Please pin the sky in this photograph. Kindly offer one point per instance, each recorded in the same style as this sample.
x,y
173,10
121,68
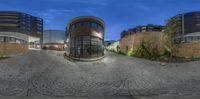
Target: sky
x,y
118,15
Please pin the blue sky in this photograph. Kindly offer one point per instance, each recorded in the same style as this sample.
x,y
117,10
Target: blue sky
x,y
118,15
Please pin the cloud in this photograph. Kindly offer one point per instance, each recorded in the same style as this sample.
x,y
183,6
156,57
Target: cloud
x,y
50,14
135,5
91,2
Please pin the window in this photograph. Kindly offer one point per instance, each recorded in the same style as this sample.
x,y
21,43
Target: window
x,y
189,39
94,25
39,28
12,40
183,40
177,40
86,24
7,39
38,32
23,23
196,39
90,46
39,25
78,25
39,19
18,41
100,28
1,39
73,27
144,27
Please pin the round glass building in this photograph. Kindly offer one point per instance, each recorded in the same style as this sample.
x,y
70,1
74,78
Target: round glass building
x,y
86,37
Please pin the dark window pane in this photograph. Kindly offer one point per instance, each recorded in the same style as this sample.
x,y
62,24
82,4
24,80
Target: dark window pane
x,y
183,40
7,39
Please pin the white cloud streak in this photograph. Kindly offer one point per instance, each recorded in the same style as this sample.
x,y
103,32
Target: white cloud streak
x,y
50,14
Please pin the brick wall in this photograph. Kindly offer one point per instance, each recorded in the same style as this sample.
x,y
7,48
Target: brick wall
x,y
132,41
8,49
187,50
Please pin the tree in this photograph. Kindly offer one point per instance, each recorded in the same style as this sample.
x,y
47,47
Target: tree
x,y
109,44
172,27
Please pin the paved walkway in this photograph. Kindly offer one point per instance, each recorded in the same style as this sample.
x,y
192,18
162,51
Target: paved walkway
x,y
47,73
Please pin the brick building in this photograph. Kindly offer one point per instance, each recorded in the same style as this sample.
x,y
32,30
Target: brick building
x,y
151,34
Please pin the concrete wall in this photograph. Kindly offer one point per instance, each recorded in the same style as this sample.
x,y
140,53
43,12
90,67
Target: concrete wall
x,y
131,42
187,50
7,49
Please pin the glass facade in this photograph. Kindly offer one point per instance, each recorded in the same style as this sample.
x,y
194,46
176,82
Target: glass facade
x,y
86,47
86,37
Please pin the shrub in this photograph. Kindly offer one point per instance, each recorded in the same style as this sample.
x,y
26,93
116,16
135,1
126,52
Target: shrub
x,y
131,53
145,50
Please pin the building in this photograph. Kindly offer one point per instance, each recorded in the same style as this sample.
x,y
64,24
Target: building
x,y
186,34
151,34
114,47
54,39
19,31
86,35
107,43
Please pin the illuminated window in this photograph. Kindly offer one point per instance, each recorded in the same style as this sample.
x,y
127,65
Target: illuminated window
x,y
18,41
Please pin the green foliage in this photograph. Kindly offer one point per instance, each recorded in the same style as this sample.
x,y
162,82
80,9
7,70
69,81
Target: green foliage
x,y
109,44
145,50
131,53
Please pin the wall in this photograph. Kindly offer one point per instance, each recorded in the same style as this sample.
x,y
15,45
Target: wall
x,y
113,46
187,50
131,42
7,49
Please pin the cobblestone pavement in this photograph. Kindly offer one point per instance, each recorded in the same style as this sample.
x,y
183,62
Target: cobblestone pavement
x,y
47,73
